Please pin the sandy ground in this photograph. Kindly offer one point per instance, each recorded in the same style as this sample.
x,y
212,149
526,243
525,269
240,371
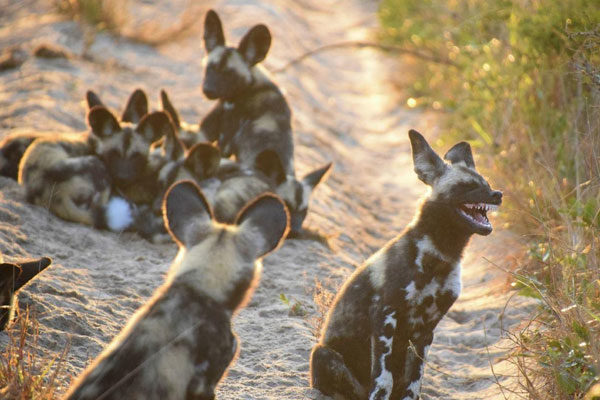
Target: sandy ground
x,y
344,111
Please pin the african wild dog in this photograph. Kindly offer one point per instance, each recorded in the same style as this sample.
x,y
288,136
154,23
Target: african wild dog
x,y
13,146
74,174
189,134
381,324
13,276
268,176
179,345
251,115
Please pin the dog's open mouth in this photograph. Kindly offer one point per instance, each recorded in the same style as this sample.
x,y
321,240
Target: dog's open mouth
x,y
476,213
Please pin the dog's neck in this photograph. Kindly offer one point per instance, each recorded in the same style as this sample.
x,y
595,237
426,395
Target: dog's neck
x,y
433,221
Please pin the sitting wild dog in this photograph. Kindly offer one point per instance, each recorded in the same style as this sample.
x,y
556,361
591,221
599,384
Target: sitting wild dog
x,y
74,175
189,134
14,146
179,345
251,115
13,276
268,176
381,323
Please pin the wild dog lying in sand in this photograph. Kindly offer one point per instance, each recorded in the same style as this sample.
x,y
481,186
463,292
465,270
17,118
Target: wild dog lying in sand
x,y
268,176
189,134
74,174
13,276
13,146
179,345
381,324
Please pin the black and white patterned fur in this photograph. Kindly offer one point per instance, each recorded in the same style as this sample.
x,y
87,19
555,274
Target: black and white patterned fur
x,y
179,345
13,276
251,115
381,324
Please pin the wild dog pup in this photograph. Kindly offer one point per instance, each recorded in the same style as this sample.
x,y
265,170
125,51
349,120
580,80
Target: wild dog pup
x,y
268,176
74,175
189,134
13,276
13,146
179,345
251,115
381,324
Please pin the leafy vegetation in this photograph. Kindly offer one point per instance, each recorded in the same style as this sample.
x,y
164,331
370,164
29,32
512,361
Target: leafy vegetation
x,y
524,88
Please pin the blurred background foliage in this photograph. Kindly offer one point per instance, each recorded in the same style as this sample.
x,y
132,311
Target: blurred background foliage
x,y
524,88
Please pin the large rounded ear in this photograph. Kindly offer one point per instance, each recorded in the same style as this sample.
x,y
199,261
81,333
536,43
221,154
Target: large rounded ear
x,y
255,45
136,108
92,99
155,125
317,176
264,222
213,31
203,160
9,273
461,153
186,213
29,269
269,163
169,109
102,122
428,165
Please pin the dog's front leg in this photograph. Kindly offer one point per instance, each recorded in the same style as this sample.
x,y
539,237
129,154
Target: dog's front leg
x,y
212,125
414,366
382,342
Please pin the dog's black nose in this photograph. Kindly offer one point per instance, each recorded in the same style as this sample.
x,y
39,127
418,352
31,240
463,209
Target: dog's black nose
x,y
497,196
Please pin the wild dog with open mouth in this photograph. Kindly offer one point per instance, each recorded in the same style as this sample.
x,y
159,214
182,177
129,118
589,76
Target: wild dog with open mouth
x,y
251,115
13,276
74,174
179,345
189,134
268,176
13,146
381,323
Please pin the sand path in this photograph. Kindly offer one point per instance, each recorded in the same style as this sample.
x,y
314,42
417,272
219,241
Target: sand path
x,y
344,111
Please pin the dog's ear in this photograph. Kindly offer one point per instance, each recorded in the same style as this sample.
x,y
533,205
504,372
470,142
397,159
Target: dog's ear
x,y
186,213
172,147
9,274
136,108
213,31
255,45
461,153
203,160
264,222
29,269
428,165
92,99
102,122
155,125
269,163
312,179
169,109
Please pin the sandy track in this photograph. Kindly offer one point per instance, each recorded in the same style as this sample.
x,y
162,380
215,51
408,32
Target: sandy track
x,y
344,111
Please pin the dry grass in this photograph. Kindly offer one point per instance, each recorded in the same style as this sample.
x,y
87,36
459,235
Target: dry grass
x,y
323,299
24,374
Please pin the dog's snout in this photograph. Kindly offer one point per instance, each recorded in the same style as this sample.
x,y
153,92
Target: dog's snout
x,y
497,196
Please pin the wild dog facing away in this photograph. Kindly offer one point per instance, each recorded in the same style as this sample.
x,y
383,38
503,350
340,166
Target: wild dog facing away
x,y
385,314
13,146
13,276
180,343
73,175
